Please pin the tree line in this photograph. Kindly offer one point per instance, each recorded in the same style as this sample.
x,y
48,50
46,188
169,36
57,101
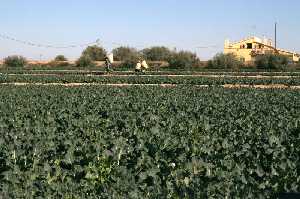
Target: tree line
x,y
130,56
175,59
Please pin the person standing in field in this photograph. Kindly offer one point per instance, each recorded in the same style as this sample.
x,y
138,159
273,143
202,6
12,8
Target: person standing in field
x,y
109,59
138,67
144,65
141,66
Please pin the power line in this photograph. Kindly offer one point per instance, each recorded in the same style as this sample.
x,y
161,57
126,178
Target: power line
x,y
205,47
28,43
97,42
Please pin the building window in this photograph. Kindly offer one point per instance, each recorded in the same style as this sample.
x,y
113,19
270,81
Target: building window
x,y
249,45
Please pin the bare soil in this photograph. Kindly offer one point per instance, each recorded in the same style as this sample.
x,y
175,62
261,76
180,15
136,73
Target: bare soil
x,y
228,86
194,75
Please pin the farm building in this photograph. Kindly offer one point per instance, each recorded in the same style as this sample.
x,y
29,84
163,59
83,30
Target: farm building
x,y
247,49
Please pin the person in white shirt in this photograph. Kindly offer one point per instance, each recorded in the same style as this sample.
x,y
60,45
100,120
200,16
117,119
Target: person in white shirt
x,y
138,67
141,66
109,59
144,65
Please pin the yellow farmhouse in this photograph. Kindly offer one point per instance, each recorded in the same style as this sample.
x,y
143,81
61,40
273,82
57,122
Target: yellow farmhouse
x,y
248,49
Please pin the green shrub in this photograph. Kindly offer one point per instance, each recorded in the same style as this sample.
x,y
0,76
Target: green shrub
x,y
59,64
224,61
298,63
183,60
271,61
85,61
60,58
157,53
124,53
96,53
15,61
131,61
129,56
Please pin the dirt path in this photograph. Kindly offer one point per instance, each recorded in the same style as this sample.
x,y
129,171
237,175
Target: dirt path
x,y
166,71
84,84
197,75
229,86
270,86
194,75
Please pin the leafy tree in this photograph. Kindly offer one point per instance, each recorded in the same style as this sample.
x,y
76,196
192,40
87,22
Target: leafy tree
x,y
60,58
59,64
183,60
157,53
129,56
271,61
224,61
85,61
123,53
131,60
15,61
96,53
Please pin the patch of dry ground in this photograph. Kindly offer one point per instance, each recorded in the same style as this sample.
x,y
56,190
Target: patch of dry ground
x,y
229,86
194,75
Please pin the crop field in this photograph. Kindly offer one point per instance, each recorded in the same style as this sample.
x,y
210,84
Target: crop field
x,y
212,79
93,71
183,140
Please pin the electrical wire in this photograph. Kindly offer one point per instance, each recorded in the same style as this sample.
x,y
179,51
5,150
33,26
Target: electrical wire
x,y
28,43
205,47
97,42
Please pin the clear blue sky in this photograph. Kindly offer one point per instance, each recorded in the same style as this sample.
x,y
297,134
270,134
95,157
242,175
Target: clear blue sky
x,y
142,23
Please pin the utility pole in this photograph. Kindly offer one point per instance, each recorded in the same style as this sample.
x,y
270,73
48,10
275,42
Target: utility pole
x,y
276,36
98,42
